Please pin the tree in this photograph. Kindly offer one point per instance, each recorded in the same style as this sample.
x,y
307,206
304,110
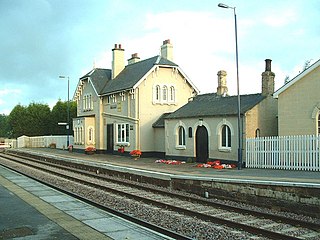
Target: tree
x,y
307,64
17,121
38,119
59,114
287,79
4,126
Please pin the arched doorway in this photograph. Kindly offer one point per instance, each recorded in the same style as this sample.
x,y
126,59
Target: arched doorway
x,y
202,149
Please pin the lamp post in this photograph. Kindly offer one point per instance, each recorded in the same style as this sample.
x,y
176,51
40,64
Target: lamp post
x,y
238,92
68,112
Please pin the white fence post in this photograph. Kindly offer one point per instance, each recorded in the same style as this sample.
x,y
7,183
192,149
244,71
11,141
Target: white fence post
x,y
284,152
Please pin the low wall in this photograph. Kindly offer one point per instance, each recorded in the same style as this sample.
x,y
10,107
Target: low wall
x,y
297,199
44,141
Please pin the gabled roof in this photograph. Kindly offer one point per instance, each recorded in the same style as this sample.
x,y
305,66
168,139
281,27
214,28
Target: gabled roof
x,y
99,77
209,105
129,77
296,79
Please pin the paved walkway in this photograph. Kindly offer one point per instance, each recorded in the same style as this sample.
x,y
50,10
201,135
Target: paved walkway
x,y
148,165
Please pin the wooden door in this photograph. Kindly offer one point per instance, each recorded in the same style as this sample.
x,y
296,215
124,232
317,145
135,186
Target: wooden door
x,y
202,149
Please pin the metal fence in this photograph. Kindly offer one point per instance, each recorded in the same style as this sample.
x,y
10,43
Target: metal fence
x,y
284,152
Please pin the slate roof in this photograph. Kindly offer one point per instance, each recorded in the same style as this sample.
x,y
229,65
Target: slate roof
x,y
160,122
209,105
99,78
127,78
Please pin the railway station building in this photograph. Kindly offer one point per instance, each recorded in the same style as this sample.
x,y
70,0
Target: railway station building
x,y
116,108
206,127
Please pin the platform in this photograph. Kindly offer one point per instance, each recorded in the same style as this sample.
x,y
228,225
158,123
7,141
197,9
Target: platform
x,y
31,210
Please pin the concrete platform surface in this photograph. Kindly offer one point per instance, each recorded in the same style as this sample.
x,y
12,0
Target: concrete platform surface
x,y
31,210
147,166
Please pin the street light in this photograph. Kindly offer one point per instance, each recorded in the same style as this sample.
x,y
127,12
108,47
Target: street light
x,y
238,93
68,113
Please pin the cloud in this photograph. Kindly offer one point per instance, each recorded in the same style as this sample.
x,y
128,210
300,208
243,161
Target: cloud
x,y
280,17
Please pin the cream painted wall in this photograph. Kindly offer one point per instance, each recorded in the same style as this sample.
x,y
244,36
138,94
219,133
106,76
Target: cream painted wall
x,y
297,106
213,126
262,116
149,112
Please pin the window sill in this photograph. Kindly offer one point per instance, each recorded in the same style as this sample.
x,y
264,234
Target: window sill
x,y
181,147
125,144
224,149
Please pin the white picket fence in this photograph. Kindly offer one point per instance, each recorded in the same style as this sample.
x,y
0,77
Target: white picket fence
x,y
284,152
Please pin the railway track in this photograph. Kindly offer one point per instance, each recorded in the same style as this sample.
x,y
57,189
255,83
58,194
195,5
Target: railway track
x,y
257,223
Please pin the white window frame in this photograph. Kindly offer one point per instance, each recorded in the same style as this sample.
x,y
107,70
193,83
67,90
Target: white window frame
x,y
164,94
123,134
180,145
91,135
318,123
172,94
228,141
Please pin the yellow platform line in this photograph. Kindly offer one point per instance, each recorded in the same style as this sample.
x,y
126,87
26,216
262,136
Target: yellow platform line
x,y
70,224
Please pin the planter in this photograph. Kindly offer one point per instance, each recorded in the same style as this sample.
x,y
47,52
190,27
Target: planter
x,y
89,153
135,157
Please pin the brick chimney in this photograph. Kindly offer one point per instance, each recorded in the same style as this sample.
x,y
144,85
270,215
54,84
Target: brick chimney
x,y
134,58
222,89
117,60
268,80
167,50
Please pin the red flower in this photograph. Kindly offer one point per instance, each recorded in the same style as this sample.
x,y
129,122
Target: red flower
x,y
135,152
90,149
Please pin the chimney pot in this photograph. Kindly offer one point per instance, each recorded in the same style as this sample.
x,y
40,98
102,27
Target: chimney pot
x,y
120,46
268,64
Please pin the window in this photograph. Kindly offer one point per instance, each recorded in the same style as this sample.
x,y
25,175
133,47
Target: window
x,y
319,123
90,134
257,133
87,102
182,136
123,133
157,93
225,137
84,102
172,94
190,132
164,93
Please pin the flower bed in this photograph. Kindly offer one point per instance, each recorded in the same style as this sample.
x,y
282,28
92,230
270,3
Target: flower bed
x,y
90,150
216,165
170,162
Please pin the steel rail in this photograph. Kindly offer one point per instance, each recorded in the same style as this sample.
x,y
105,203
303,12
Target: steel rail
x,y
277,218
130,218
248,228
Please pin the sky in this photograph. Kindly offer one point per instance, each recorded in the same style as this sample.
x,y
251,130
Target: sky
x,y
41,40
